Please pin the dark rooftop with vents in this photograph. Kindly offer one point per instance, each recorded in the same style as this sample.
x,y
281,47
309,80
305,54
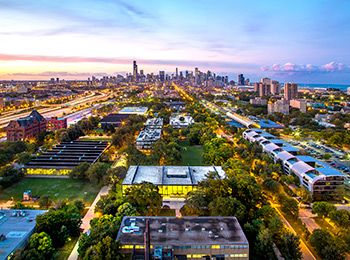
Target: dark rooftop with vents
x,y
173,231
67,155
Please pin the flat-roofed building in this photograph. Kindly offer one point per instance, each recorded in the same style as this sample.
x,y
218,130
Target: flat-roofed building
x,y
134,110
16,226
114,120
147,137
171,238
172,181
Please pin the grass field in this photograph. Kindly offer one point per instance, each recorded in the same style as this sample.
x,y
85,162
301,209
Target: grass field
x,y
192,155
57,189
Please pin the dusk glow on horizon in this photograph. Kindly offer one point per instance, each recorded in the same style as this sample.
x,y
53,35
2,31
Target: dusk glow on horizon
x,y
301,41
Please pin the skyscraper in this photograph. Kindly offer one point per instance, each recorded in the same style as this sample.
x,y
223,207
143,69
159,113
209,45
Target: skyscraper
x,y
162,76
240,80
177,73
290,91
134,71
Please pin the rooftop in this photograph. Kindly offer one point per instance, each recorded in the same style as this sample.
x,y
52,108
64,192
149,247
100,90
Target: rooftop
x,y
134,110
170,175
67,155
114,118
16,226
172,231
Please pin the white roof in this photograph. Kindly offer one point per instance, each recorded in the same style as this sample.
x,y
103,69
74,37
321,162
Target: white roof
x,y
170,175
284,156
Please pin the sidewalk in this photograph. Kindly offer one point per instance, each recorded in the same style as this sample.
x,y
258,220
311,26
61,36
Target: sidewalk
x,y
85,225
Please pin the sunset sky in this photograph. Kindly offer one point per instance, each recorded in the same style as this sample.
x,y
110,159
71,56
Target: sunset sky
x,y
298,40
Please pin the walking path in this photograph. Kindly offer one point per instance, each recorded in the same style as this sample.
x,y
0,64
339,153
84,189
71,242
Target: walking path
x,y
85,225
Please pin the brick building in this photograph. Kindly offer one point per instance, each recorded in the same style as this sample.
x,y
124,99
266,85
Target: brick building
x,y
54,123
26,127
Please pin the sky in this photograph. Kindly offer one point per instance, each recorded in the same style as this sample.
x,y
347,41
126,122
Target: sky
x,y
289,40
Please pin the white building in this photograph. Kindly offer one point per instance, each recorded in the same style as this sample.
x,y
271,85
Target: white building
x,y
155,122
318,177
180,121
147,138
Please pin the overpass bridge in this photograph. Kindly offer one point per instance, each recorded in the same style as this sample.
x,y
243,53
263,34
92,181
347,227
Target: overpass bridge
x,y
242,120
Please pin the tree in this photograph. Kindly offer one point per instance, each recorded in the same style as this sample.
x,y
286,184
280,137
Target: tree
x,y
340,217
42,242
323,208
59,224
326,246
289,206
23,158
79,172
106,249
114,175
97,172
145,198
289,246
45,202
228,206
126,209
105,226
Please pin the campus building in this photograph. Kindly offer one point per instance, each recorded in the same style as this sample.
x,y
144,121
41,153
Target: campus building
x,y
147,137
156,122
172,181
114,120
16,227
26,127
171,238
322,180
55,123
134,110
180,120
61,159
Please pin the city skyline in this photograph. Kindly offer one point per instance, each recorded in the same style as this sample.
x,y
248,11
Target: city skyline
x,y
289,41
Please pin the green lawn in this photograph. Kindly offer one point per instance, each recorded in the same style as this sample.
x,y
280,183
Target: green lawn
x,y
57,189
192,155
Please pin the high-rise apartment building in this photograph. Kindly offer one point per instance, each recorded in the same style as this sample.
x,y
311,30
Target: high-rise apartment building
x,y
290,91
275,87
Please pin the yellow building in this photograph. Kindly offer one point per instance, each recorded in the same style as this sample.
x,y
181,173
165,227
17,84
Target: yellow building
x,y
172,181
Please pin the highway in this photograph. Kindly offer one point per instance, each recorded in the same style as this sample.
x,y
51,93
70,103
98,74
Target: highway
x,y
54,111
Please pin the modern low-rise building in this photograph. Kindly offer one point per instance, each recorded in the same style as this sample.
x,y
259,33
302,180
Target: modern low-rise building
x,y
181,120
114,120
26,127
61,159
147,137
171,238
156,122
134,110
16,226
172,181
322,180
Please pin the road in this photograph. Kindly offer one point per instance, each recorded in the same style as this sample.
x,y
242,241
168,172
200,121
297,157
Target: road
x,y
85,225
54,111
307,254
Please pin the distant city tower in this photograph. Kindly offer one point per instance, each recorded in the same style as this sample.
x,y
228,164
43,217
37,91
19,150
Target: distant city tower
x,y
134,71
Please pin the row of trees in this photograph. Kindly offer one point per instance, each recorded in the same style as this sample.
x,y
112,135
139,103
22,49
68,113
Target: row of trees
x,y
52,230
